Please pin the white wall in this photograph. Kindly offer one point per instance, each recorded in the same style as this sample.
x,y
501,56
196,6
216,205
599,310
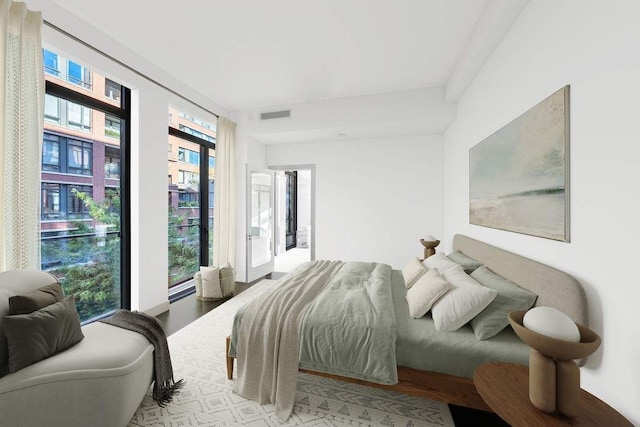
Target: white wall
x,y
375,198
149,141
593,46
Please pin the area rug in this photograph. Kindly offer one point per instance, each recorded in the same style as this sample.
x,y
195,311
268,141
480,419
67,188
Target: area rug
x,y
198,355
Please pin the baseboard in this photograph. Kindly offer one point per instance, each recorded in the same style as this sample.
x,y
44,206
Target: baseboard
x,y
158,309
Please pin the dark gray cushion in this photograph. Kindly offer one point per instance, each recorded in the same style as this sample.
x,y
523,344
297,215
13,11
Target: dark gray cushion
x,y
41,334
469,264
510,297
36,299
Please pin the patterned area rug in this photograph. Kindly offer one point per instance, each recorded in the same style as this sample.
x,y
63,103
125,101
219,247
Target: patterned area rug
x,y
198,355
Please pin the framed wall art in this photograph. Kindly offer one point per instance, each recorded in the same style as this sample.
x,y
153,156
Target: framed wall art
x,y
519,176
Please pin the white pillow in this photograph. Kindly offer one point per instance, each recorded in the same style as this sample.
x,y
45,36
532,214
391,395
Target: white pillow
x,y
427,290
210,277
439,261
462,303
412,272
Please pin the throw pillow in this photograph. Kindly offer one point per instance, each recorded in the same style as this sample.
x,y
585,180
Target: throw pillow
x,y
412,272
35,336
440,262
427,290
469,264
493,319
462,303
36,299
210,277
227,279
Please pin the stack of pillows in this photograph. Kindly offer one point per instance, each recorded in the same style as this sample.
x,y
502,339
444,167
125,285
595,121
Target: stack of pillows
x,y
40,323
458,290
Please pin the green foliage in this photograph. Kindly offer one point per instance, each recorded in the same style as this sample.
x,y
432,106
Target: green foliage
x,y
184,248
89,266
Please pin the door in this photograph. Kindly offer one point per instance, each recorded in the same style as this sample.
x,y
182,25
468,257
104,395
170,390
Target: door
x,y
291,209
259,224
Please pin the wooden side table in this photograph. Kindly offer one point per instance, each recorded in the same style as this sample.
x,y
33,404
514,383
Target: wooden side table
x,y
505,388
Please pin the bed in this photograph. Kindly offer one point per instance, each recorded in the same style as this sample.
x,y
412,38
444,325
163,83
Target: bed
x,y
439,365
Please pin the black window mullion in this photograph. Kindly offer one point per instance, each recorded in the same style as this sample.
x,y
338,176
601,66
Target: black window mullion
x,y
125,191
204,206
80,98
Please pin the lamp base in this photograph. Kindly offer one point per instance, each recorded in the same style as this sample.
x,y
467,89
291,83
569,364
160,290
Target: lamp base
x,y
554,384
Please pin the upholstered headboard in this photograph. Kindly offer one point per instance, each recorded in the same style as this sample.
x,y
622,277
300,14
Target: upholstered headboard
x,y
554,288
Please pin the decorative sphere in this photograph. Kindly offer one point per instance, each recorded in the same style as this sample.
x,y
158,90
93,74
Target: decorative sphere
x,y
551,323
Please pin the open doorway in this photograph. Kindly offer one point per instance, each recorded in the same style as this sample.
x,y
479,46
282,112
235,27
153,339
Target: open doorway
x,y
293,242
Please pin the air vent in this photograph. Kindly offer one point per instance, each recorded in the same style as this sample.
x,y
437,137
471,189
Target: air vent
x,y
275,115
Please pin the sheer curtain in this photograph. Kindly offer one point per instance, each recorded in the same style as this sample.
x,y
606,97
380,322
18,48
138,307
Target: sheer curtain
x,y
224,210
21,121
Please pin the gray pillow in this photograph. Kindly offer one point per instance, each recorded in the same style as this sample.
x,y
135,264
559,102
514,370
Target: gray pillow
x,y
36,299
469,264
35,336
493,319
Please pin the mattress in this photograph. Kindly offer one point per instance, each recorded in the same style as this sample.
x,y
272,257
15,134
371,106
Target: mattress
x,y
420,346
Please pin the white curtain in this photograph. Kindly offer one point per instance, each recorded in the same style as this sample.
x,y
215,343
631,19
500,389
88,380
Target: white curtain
x,y
224,211
21,121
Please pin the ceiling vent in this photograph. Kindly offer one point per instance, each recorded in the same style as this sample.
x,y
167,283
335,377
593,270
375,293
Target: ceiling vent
x,y
275,115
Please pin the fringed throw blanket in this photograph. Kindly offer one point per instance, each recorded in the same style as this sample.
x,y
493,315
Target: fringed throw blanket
x,y
269,336
164,386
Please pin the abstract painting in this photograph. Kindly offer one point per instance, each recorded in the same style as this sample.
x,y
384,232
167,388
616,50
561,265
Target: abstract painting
x,y
518,177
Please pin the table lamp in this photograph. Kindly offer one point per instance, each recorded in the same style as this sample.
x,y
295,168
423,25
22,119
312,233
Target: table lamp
x,y
555,341
429,242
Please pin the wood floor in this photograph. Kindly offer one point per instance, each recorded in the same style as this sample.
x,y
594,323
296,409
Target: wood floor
x,y
189,308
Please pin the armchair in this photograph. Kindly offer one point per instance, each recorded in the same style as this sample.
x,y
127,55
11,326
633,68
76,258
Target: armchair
x,y
99,381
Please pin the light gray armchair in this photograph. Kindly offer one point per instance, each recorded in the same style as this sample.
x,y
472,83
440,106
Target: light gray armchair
x,y
99,381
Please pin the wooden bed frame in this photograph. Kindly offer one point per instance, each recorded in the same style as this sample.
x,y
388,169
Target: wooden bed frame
x,y
553,287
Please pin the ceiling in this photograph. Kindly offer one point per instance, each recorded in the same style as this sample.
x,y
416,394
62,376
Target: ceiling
x,y
346,69
250,54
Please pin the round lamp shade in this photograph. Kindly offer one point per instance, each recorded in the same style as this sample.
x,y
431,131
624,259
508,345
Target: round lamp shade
x,y
552,347
552,323
429,238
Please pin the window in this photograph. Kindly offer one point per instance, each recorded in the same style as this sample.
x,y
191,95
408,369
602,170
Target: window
x,y
78,116
197,121
79,75
188,156
50,60
112,90
51,109
187,129
111,126
188,200
51,153
188,178
212,162
111,162
50,200
191,181
74,245
79,157
76,207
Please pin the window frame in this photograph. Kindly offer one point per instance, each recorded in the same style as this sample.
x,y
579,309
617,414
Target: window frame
x,y
123,111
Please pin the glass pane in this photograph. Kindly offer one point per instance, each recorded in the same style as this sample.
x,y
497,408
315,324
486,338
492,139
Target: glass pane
x,y
51,108
261,218
184,219
212,174
184,199
80,239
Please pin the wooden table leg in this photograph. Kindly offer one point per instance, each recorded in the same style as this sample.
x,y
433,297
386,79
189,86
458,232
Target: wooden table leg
x,y
229,360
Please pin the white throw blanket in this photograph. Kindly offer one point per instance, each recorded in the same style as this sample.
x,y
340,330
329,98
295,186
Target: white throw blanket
x,y
268,338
